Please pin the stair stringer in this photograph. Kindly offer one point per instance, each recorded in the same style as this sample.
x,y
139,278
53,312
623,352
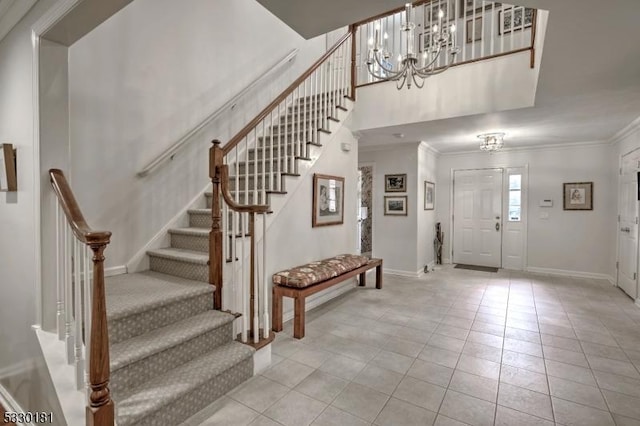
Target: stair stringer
x,y
278,204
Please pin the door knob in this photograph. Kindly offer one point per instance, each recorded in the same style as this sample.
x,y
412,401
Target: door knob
x,y
497,226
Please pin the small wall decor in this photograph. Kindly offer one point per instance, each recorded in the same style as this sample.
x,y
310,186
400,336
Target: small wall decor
x,y
429,195
328,200
395,205
578,196
395,183
468,6
8,177
474,33
513,19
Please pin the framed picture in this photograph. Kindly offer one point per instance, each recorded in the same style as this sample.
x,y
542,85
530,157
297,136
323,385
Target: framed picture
x,y
515,19
466,7
8,179
395,205
432,10
429,195
395,183
474,33
578,196
424,40
328,200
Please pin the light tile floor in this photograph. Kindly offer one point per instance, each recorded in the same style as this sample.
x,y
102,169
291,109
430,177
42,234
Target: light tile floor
x,y
452,348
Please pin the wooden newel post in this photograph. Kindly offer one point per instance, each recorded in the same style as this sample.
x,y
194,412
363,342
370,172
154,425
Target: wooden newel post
x,y
100,411
216,156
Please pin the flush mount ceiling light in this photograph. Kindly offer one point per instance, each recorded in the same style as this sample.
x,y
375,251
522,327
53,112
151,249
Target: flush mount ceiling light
x,y
491,141
411,68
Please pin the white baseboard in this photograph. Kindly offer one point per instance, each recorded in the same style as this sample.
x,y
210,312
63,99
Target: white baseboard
x,y
115,270
407,274
140,261
446,260
323,298
10,404
567,273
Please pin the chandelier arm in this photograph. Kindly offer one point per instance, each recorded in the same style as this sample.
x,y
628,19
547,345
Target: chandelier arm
x,y
418,85
400,82
427,66
394,74
376,55
423,72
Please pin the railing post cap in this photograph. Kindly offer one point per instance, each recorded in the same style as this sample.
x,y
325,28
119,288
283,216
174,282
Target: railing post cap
x,y
216,142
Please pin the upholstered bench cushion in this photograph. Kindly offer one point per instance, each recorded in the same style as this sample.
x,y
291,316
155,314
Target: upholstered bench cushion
x,y
315,272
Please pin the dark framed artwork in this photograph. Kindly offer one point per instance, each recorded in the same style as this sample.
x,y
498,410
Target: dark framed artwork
x,y
465,7
429,195
8,177
473,33
432,10
577,196
395,183
515,19
328,200
395,205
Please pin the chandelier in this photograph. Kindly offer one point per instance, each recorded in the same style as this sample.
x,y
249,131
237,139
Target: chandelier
x,y
491,141
412,67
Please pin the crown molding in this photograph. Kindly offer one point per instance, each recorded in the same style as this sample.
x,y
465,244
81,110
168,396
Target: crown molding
x,y
387,147
428,148
631,128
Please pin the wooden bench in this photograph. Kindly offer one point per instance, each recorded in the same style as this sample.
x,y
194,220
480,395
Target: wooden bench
x,y
298,294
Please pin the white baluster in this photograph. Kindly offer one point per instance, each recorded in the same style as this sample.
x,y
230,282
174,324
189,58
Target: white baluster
x,y
256,291
501,26
60,228
299,133
265,282
68,294
246,170
305,122
492,31
272,165
280,156
254,175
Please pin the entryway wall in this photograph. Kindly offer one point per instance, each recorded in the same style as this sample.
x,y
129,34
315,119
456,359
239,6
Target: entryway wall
x,y
563,242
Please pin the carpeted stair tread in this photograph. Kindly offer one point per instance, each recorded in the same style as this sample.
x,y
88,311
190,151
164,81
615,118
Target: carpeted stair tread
x,y
128,294
201,211
150,343
167,389
193,231
182,255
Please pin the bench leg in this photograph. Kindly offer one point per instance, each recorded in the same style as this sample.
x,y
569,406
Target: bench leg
x,y
298,319
363,279
276,312
379,276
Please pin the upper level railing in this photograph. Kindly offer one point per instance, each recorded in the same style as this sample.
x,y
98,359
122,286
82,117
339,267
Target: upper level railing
x,y
81,305
484,30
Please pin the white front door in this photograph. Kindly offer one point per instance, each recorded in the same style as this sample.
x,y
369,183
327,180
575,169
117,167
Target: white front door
x,y
627,225
477,217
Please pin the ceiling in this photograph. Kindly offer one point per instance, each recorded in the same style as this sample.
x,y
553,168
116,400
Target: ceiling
x,y
589,85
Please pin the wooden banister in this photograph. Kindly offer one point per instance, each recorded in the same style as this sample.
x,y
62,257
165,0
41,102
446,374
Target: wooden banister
x,y
289,90
72,211
100,409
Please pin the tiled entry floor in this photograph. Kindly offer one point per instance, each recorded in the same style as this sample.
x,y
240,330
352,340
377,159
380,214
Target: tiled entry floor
x,y
452,348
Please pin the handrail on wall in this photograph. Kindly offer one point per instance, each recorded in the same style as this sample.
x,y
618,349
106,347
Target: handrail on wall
x,y
168,154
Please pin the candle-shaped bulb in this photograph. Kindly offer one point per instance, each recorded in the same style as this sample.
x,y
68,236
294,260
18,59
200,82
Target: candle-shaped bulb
x,y
453,28
370,41
435,28
440,14
386,36
377,25
399,58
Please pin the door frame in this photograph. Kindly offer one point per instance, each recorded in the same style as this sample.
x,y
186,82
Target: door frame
x,y
525,208
615,282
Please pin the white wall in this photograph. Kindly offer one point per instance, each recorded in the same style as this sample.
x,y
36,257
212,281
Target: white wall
x,y
394,237
292,241
146,77
22,369
427,163
455,93
578,241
